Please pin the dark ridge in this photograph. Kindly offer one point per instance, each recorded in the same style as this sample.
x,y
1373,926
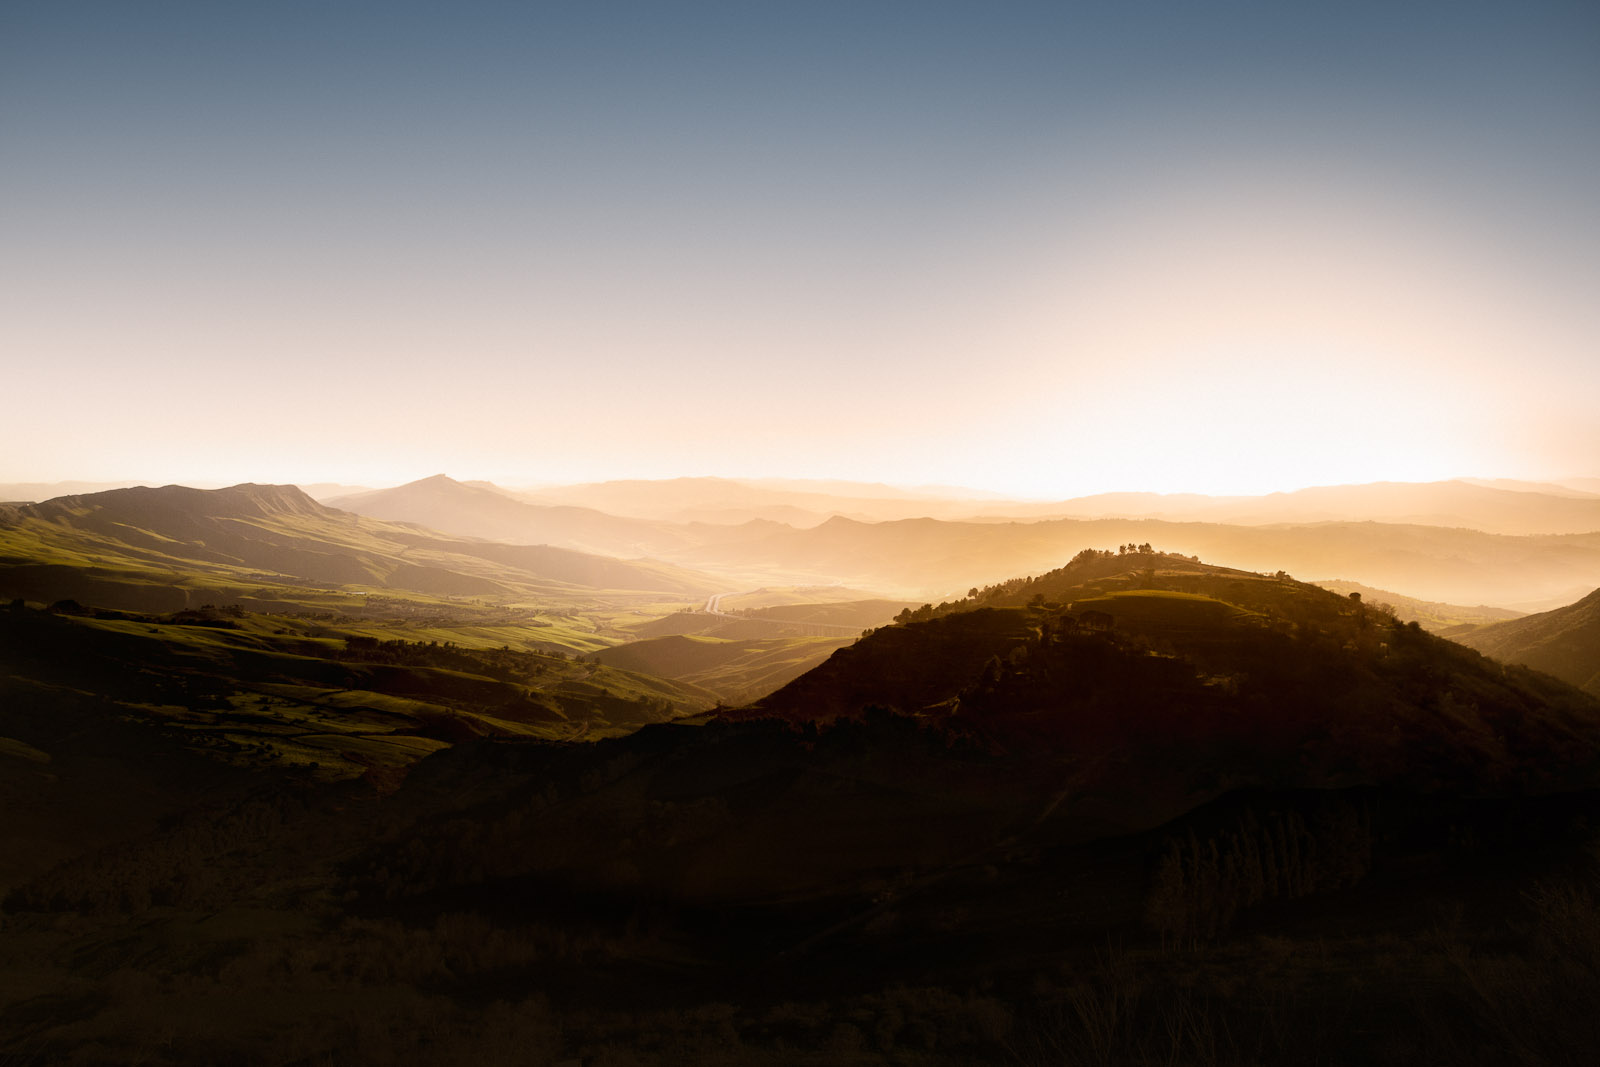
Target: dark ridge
x,y
246,500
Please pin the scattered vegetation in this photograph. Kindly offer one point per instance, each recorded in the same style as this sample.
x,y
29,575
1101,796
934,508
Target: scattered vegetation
x,y
1132,810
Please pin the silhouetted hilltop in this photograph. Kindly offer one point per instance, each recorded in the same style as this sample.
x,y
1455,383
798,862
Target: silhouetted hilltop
x,y
1564,642
1203,679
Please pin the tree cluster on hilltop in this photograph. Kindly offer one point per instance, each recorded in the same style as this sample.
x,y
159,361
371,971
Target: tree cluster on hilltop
x,y
1009,591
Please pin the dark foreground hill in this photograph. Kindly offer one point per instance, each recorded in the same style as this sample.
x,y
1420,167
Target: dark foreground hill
x,y
1136,810
1564,642
1193,680
298,696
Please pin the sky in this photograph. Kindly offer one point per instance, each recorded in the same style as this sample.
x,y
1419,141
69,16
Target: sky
x,y
1044,249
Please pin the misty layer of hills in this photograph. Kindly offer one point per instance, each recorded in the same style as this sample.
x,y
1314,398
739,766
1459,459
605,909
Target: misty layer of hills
x,y
448,774
115,546
1451,529
1447,542
1504,506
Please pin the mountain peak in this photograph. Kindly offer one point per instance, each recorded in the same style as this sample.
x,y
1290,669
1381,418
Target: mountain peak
x,y
244,498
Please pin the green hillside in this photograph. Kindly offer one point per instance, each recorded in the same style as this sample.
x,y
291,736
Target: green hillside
x,y
254,690
173,548
735,670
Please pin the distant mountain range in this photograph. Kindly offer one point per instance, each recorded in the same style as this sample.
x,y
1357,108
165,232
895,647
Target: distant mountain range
x,y
907,557
933,557
1433,563
792,501
1503,507
486,511
175,547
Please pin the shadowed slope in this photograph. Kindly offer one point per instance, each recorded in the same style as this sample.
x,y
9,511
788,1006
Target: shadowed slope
x,y
1210,678
942,744
1564,642
936,884
734,669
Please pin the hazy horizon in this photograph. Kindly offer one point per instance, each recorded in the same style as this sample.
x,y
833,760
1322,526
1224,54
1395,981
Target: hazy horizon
x,y
1577,483
1043,250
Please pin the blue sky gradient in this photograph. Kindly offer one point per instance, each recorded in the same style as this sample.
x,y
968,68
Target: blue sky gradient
x,y
907,242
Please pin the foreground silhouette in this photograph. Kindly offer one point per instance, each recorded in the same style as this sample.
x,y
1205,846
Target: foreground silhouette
x,y
1138,809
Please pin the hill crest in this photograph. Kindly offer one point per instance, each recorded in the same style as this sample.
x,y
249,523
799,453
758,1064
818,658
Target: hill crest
x,y
1564,642
245,500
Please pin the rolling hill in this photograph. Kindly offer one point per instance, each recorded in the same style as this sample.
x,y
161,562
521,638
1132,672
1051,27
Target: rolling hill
x,y
1434,616
1230,670
484,511
174,547
747,653
736,670
1564,642
1134,809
